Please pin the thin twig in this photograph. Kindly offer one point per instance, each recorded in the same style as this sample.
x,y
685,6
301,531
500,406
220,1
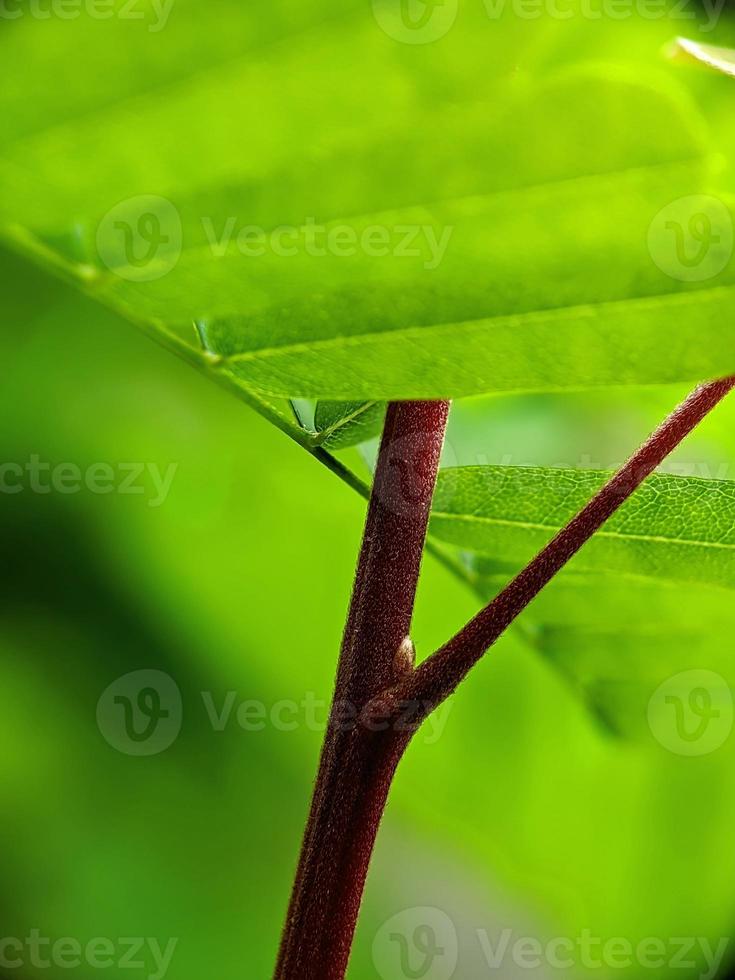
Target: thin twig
x,y
437,678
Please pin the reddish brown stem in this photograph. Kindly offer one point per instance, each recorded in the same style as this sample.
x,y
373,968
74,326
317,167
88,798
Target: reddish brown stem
x,y
376,680
437,677
357,765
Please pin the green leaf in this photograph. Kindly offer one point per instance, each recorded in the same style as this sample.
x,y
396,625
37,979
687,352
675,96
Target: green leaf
x,y
343,424
673,528
519,217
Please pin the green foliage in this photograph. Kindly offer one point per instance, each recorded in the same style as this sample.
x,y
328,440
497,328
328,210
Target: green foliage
x,y
535,163
673,528
409,267
343,424
99,585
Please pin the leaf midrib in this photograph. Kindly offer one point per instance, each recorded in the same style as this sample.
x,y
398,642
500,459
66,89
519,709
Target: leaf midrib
x,y
619,535
323,435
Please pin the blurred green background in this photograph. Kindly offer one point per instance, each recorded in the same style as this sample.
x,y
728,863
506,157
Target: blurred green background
x,y
524,814
520,811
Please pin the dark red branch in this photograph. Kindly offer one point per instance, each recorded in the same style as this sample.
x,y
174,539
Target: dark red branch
x,y
437,677
357,765
376,679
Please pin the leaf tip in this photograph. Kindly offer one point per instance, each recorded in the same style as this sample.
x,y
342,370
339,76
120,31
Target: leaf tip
x,y
685,51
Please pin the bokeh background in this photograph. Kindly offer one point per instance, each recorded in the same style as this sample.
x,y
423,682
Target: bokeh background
x,y
524,812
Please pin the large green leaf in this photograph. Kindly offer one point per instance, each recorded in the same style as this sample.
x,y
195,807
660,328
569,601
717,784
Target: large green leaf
x,y
673,528
522,208
161,113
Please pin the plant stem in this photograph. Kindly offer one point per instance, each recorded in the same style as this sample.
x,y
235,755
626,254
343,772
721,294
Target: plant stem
x,y
357,765
435,679
376,679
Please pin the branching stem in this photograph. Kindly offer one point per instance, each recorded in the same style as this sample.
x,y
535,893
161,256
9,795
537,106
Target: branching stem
x,y
436,678
381,697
